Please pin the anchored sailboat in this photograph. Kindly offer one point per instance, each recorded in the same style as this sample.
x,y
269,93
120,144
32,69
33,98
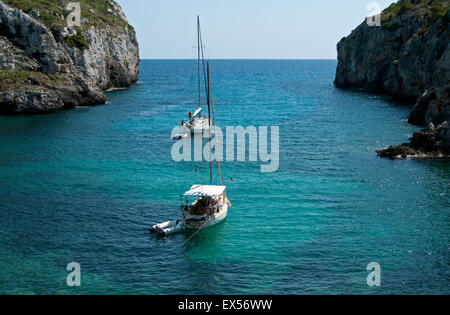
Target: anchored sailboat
x,y
202,205
196,123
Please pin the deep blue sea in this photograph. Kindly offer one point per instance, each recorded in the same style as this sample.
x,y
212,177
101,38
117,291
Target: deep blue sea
x,y
85,185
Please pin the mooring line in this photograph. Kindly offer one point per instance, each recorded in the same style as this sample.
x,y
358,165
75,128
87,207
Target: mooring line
x,y
201,228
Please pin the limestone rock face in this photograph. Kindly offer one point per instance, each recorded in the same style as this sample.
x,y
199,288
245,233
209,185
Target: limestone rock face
x,y
111,63
35,40
12,58
407,57
46,65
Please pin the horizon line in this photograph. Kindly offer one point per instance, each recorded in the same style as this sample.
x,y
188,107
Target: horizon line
x,y
334,59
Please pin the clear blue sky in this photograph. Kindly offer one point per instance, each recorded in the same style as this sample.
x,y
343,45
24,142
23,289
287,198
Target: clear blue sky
x,y
253,29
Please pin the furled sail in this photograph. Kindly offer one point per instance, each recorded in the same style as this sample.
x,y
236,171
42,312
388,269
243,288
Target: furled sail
x,y
198,111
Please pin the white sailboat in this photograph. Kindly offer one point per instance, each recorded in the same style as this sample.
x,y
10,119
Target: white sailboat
x,y
202,205
196,123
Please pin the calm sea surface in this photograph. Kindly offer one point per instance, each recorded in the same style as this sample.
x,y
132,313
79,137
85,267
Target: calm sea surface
x,y
85,185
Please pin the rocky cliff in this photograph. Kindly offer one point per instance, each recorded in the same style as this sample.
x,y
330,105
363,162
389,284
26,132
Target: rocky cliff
x,y
407,57
45,65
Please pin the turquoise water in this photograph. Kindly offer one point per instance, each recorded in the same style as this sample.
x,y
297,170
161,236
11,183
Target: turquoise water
x,y
85,185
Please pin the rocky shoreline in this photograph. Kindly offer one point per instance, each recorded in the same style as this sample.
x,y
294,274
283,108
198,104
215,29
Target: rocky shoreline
x,y
46,65
407,57
428,143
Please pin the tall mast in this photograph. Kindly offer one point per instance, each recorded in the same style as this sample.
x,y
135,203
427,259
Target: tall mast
x,y
209,121
207,77
215,134
199,63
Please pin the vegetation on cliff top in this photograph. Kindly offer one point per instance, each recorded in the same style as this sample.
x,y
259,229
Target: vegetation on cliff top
x,y
18,78
52,13
428,9
425,12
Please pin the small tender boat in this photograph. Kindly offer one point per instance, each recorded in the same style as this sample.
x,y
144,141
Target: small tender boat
x,y
167,228
180,136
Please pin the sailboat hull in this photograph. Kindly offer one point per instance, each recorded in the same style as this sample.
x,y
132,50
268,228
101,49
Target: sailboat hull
x,y
199,125
199,222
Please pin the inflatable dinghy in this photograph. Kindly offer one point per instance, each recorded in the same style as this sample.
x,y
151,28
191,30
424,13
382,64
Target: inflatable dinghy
x,y
167,228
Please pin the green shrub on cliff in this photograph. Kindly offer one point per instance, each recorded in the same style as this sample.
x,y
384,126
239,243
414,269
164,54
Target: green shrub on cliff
x,y
423,31
390,26
444,16
77,41
404,7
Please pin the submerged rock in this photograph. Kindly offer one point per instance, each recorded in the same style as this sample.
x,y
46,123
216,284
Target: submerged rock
x,y
47,66
407,57
397,151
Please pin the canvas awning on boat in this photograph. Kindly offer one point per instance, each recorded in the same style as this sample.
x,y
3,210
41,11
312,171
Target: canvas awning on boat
x,y
205,190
